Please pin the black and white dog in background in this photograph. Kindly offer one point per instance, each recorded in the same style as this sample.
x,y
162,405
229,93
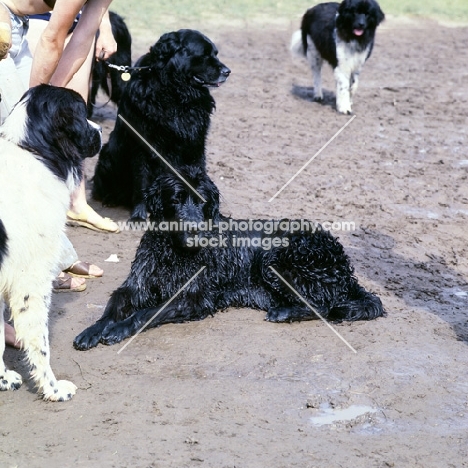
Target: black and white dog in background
x,y
42,145
343,35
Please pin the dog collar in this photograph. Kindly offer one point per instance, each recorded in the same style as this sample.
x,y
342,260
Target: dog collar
x,y
125,69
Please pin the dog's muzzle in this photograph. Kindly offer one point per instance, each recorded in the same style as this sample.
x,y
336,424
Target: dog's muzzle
x,y
223,76
96,127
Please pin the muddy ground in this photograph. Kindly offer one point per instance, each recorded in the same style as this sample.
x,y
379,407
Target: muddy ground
x,y
236,391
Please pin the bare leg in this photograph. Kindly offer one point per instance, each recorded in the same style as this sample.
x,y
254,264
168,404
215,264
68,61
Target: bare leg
x,y
80,83
9,380
10,337
5,31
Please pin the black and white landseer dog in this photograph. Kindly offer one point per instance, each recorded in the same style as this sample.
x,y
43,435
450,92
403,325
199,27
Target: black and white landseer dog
x,y
343,35
237,260
168,102
42,145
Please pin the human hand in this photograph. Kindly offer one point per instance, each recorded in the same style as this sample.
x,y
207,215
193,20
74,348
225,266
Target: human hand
x,y
105,43
5,39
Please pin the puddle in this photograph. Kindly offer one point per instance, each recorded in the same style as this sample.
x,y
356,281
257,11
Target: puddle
x,y
330,415
461,294
457,292
418,212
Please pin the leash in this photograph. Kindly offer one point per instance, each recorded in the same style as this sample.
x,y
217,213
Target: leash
x,y
125,69
125,76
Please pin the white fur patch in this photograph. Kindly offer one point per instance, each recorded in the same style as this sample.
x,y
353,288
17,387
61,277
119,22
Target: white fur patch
x,y
14,127
350,61
33,205
296,47
350,58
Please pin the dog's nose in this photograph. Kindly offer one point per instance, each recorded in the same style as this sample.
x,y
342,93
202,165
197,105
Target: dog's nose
x,y
225,71
361,22
95,125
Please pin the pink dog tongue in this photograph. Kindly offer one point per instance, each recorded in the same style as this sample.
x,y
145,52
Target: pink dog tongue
x,y
358,32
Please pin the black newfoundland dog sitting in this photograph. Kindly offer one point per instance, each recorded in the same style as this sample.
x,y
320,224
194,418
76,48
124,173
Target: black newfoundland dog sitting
x,y
236,256
168,102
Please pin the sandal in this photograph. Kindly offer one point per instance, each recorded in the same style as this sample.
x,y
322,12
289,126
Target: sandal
x,y
81,270
82,219
63,284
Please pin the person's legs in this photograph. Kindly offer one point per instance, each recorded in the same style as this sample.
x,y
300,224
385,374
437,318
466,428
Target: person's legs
x,y
80,212
5,31
10,336
16,66
66,280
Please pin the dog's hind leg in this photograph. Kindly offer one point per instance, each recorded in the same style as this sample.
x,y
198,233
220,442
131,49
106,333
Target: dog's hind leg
x,y
360,305
316,62
9,380
30,315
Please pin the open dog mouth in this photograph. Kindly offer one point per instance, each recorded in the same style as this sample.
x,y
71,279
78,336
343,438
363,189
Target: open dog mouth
x,y
358,32
210,84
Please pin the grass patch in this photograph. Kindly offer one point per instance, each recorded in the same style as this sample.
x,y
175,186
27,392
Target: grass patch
x,y
159,16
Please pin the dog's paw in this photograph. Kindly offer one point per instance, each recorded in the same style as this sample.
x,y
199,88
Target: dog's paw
x,y
139,213
90,337
62,390
115,333
279,314
10,380
345,110
86,340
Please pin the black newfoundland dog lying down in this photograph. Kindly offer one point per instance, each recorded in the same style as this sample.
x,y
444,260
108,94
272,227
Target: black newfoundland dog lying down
x,y
168,102
237,269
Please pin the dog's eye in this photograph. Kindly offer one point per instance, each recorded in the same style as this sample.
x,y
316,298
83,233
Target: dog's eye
x,y
175,201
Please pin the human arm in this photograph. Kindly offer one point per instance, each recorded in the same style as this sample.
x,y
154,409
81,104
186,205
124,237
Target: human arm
x,y
105,43
52,64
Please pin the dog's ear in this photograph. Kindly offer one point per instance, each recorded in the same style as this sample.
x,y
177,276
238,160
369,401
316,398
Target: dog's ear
x,y
379,14
153,200
211,195
165,49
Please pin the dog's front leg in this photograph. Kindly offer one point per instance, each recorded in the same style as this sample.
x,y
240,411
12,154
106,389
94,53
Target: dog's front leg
x,y
141,176
175,312
343,90
30,315
354,84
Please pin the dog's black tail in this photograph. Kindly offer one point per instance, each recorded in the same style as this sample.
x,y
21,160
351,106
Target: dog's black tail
x,y
3,243
106,78
360,305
